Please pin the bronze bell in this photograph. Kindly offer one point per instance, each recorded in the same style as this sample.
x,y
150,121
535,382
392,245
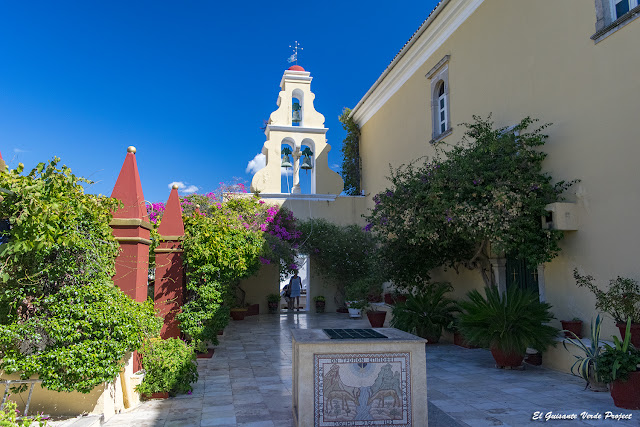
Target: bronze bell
x,y
306,163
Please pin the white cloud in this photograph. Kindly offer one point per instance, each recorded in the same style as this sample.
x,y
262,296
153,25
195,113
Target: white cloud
x,y
18,150
183,188
258,162
335,166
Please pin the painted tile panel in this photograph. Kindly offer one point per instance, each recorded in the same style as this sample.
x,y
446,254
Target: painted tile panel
x,y
362,389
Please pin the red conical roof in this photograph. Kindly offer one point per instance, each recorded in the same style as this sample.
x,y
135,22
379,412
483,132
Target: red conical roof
x,y
128,190
171,223
296,68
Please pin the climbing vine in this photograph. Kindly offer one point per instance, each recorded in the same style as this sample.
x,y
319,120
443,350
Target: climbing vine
x,y
351,165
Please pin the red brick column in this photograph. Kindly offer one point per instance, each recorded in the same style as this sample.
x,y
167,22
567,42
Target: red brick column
x,y
168,293
131,228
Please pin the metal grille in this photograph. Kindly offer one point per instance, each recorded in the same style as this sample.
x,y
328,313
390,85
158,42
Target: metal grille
x,y
353,334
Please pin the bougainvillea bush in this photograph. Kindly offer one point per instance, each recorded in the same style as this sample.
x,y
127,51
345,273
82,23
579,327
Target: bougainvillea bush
x,y
488,191
228,238
61,317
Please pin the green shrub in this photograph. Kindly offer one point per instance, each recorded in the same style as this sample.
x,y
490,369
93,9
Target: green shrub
x,y
61,318
170,366
427,312
9,415
510,322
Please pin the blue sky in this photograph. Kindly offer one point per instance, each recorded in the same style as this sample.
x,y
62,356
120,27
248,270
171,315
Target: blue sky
x,y
188,83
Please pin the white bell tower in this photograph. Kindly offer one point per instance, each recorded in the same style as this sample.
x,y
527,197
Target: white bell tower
x,y
296,123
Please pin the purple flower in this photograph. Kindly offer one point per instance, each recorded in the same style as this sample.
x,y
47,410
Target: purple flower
x,y
265,260
367,227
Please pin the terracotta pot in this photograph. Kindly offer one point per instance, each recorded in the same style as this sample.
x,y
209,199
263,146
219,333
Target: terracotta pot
x,y
401,298
158,395
238,313
320,306
432,337
459,340
574,326
626,395
635,332
207,355
273,307
342,310
376,318
253,310
510,360
388,299
534,359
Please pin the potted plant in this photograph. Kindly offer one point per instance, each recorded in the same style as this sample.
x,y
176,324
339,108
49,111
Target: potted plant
x,y
572,327
253,309
586,366
507,323
273,300
320,302
169,366
427,312
239,313
355,308
202,351
376,317
458,338
621,301
619,366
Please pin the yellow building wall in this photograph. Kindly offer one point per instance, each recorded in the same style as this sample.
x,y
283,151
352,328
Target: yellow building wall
x,y
516,58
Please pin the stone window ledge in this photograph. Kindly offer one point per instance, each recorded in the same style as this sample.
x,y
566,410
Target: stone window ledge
x,y
442,136
616,25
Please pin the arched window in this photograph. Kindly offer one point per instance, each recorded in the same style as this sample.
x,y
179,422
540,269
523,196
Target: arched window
x,y
442,109
440,100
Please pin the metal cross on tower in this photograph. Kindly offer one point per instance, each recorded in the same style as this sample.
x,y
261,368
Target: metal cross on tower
x,y
294,57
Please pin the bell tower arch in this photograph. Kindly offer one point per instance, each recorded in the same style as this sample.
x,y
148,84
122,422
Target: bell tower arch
x,y
296,121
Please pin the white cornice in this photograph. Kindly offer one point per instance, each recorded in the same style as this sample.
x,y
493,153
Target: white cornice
x,y
299,76
446,19
296,129
289,196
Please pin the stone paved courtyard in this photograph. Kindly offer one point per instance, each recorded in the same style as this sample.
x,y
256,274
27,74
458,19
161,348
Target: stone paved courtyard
x,y
248,383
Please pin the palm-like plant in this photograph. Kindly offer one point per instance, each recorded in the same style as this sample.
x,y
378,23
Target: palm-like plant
x,y
509,322
585,366
427,312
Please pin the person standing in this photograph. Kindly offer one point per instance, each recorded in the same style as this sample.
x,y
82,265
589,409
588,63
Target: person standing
x,y
295,286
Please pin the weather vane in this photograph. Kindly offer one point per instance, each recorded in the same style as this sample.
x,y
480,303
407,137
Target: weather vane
x,y
294,57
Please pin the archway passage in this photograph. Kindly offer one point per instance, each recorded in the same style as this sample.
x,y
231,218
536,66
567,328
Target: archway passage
x,y
304,272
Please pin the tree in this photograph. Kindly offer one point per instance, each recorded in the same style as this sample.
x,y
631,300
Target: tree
x,y
486,193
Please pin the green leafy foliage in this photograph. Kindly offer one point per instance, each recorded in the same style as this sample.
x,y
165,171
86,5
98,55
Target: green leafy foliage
x,y
229,241
9,417
345,255
586,365
169,365
621,300
487,191
619,360
351,169
61,318
427,312
510,322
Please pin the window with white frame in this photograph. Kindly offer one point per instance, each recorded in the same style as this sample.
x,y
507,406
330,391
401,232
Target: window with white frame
x,y
442,108
611,15
440,99
621,7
